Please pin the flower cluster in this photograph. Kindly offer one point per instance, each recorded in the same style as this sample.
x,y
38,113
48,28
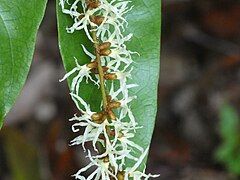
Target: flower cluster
x,y
115,125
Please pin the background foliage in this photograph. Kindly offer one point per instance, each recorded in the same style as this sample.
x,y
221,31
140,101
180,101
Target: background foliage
x,y
229,151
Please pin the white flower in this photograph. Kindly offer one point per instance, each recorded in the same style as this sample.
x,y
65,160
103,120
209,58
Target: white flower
x,y
81,20
92,130
121,144
116,136
134,173
91,133
93,57
101,172
138,175
126,143
112,13
117,41
124,131
126,110
113,17
83,72
122,77
119,56
66,11
114,94
110,151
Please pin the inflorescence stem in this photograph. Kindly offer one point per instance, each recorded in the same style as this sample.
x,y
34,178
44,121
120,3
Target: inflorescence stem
x,y
111,134
100,70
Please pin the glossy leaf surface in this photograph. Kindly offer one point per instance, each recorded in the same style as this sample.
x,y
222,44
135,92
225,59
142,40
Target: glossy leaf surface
x,y
19,22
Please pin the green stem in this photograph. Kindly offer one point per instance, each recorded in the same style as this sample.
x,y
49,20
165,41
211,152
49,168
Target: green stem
x,y
100,69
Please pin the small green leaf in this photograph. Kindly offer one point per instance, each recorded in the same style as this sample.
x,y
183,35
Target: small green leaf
x,y
144,22
19,22
229,150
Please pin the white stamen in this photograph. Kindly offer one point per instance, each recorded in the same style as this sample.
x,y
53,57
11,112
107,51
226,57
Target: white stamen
x,y
116,136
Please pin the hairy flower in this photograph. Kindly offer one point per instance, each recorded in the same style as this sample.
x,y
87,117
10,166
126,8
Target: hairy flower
x,y
83,72
134,173
101,172
114,127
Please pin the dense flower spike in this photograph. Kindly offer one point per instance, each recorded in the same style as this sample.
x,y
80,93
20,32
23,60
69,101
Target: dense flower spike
x,y
115,125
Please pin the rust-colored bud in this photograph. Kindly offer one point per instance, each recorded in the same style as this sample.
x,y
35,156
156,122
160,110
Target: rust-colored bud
x,y
95,70
120,175
97,19
110,76
101,136
97,116
114,105
105,45
93,4
106,159
112,115
92,65
81,16
105,52
112,133
120,135
105,68
109,98
104,116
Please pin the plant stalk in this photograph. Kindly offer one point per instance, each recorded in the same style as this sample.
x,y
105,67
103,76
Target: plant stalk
x,y
100,70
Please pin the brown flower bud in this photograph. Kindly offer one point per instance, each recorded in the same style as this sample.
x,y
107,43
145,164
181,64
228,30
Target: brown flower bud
x,y
114,105
92,4
105,116
112,115
105,52
106,159
97,116
105,45
110,76
97,19
81,16
101,136
120,175
92,65
95,70
105,68
109,98
111,133
120,135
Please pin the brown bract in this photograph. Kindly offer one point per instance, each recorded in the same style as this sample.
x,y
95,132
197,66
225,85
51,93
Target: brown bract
x,y
92,4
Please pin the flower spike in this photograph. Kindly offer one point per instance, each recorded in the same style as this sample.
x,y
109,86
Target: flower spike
x,y
107,134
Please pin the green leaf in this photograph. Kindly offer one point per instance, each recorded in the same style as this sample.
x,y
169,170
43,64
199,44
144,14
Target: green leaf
x,y
144,22
229,150
70,48
19,22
